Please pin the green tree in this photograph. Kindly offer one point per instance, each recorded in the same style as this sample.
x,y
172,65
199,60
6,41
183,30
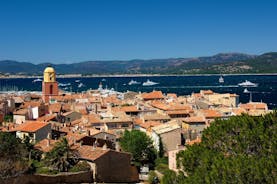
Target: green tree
x,y
140,146
242,149
61,157
13,156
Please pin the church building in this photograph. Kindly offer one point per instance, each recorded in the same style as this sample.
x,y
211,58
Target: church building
x,y
49,84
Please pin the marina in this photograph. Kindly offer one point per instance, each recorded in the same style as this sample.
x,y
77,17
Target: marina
x,y
266,91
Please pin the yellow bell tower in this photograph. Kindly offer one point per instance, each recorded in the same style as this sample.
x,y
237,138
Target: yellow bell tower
x,y
49,75
49,84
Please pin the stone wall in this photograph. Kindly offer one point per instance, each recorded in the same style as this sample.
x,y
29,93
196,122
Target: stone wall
x,y
79,177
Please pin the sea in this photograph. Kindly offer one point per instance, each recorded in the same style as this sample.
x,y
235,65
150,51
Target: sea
x,y
266,91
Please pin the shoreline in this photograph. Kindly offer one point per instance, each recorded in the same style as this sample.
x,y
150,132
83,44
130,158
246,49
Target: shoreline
x,y
131,75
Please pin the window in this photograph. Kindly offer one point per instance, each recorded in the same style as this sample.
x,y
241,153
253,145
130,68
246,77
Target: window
x,y
51,89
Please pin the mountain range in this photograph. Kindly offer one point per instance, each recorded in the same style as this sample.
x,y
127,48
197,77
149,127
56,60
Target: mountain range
x,y
223,63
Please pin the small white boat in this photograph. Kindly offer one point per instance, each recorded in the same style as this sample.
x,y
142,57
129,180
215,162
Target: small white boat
x,y
132,82
221,79
247,84
245,90
149,83
63,85
77,80
37,80
81,85
103,80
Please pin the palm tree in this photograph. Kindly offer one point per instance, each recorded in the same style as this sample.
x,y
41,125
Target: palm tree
x,y
61,157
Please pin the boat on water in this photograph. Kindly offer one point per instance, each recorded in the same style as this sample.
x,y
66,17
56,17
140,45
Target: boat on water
x,y
77,80
221,79
37,80
245,90
247,84
149,83
63,85
81,85
103,80
132,82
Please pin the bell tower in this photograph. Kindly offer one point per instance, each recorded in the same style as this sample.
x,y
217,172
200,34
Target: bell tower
x,y
49,84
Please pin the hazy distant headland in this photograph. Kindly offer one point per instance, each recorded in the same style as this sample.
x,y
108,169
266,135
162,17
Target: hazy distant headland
x,y
224,63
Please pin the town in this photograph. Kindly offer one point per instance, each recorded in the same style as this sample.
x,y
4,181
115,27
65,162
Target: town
x,y
93,123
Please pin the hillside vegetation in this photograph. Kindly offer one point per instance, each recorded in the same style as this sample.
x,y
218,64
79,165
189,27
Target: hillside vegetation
x,y
220,63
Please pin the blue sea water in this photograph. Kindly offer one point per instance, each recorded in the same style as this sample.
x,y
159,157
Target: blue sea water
x,y
182,85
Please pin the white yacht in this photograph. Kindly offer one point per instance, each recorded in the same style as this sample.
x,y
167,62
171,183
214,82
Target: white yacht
x,y
247,84
37,80
81,85
245,90
221,79
132,82
77,80
63,85
149,83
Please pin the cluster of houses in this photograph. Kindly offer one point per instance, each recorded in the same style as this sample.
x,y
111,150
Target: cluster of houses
x,y
93,122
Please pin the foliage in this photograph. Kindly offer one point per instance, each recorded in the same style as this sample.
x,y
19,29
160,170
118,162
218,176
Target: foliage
x,y
161,147
220,63
80,166
139,145
161,160
61,157
8,118
162,168
171,177
13,155
33,153
239,150
152,177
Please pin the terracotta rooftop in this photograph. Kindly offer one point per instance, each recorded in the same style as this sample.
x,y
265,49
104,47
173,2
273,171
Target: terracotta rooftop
x,y
164,128
238,111
90,153
56,107
32,104
253,105
178,112
211,113
195,119
159,105
47,117
150,124
206,92
126,109
31,126
21,112
152,95
172,95
92,118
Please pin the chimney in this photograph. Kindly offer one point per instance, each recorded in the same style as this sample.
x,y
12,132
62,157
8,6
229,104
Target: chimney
x,y
88,132
117,147
48,142
94,145
104,146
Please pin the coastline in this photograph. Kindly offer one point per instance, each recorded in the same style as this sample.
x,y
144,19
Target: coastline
x,y
129,75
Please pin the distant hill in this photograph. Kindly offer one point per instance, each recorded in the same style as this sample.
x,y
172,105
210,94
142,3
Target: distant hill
x,y
220,63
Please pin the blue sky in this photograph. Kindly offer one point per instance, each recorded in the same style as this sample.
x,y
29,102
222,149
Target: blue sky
x,y
66,31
